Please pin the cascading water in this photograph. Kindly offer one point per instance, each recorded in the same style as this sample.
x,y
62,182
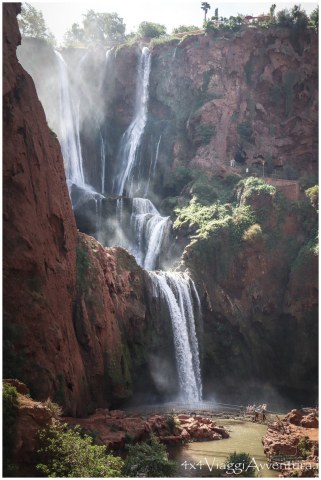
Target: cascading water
x,y
130,142
103,163
175,289
69,129
152,168
149,231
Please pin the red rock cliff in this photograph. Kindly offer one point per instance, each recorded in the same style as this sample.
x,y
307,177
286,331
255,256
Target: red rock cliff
x,y
39,236
65,341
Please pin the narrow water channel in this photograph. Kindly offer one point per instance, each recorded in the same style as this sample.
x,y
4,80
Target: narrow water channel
x,y
201,459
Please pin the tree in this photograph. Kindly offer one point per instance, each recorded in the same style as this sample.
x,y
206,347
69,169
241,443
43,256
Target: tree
x,y
205,6
103,28
284,18
75,37
314,19
150,30
272,11
65,452
97,29
148,459
300,18
32,24
185,28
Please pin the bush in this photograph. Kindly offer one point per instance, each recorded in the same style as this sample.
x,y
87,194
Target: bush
x,y
253,185
55,409
10,413
253,233
238,464
65,452
171,422
148,459
185,28
313,195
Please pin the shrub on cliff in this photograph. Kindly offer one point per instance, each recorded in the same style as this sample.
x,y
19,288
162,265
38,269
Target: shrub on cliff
x,y
65,452
148,459
313,195
10,412
250,186
253,233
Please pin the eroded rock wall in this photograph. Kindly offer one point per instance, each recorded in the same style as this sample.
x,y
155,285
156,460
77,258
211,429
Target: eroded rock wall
x,y
74,312
39,238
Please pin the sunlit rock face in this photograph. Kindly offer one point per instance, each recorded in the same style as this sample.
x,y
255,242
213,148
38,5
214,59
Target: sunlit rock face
x,y
251,96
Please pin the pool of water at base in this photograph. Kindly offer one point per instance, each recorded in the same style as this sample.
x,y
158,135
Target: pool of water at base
x,y
205,456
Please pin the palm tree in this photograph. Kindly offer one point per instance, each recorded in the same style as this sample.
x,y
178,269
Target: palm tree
x,y
205,6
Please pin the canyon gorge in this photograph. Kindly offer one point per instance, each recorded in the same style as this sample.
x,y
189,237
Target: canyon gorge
x,y
158,241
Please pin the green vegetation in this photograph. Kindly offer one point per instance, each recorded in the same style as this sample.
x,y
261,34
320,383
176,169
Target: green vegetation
x,y
10,413
239,464
65,452
296,19
169,39
304,447
313,194
314,19
253,233
148,459
55,409
82,265
32,24
171,422
97,29
205,6
209,221
150,30
185,28
253,186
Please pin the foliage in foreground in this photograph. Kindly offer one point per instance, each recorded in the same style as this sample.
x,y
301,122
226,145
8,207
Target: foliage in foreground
x,y
238,464
10,412
148,459
65,452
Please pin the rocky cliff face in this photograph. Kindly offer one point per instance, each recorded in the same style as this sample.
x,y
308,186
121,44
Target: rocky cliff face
x,y
74,312
39,237
260,301
251,96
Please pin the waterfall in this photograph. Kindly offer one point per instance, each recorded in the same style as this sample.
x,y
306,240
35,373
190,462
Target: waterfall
x,y
152,168
175,289
103,163
149,231
131,139
69,129
142,230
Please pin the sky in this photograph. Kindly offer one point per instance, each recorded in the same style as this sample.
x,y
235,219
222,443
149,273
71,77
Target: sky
x,y
59,16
